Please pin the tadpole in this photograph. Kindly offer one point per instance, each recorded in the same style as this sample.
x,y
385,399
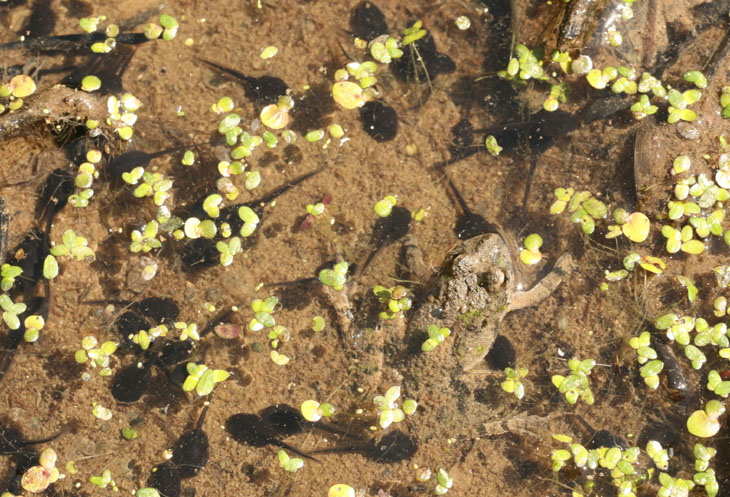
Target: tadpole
x,y
395,446
54,193
423,61
263,90
388,230
127,161
12,440
252,430
192,449
165,478
286,421
29,255
380,121
367,21
130,383
42,20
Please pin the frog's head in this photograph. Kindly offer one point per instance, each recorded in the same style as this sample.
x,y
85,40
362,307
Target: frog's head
x,y
480,273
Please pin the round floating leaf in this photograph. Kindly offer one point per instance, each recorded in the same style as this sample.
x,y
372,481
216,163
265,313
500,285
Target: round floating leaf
x,y
701,425
348,94
636,227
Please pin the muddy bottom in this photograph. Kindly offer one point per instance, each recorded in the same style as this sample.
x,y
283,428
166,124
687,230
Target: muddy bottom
x,y
423,143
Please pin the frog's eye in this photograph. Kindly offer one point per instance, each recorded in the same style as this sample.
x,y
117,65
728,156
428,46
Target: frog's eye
x,y
496,280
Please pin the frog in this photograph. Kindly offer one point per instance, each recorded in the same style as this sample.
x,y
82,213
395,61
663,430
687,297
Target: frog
x,y
474,289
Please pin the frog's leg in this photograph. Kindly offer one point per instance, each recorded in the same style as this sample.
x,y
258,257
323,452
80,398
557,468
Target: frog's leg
x,y
545,286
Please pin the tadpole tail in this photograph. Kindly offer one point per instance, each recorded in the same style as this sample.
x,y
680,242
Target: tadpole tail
x,y
361,269
167,151
50,438
201,419
283,188
300,281
3,231
530,175
293,449
230,72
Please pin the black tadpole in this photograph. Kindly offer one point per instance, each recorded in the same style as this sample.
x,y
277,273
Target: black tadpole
x,y
54,193
367,21
12,441
109,68
264,89
165,478
192,449
127,161
388,230
252,430
130,384
394,447
287,420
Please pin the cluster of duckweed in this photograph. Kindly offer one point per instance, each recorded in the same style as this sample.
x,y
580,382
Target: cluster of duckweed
x,y
396,298
388,408
632,467
577,385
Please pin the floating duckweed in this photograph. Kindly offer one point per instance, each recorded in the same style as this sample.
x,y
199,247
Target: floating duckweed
x,y
11,310
22,85
513,383
211,204
291,464
531,253
315,209
314,135
581,65
253,179
38,478
341,490
614,38
335,277
636,228
275,116
90,83
228,123
188,158
125,132
577,384
310,410
681,164
270,139
409,406
279,359
224,104
697,78
202,379
462,22
444,482
492,146
436,336
171,26
384,207
152,31
269,52
91,24
705,423
129,433
348,94
102,412
250,220
318,323
336,131
50,267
